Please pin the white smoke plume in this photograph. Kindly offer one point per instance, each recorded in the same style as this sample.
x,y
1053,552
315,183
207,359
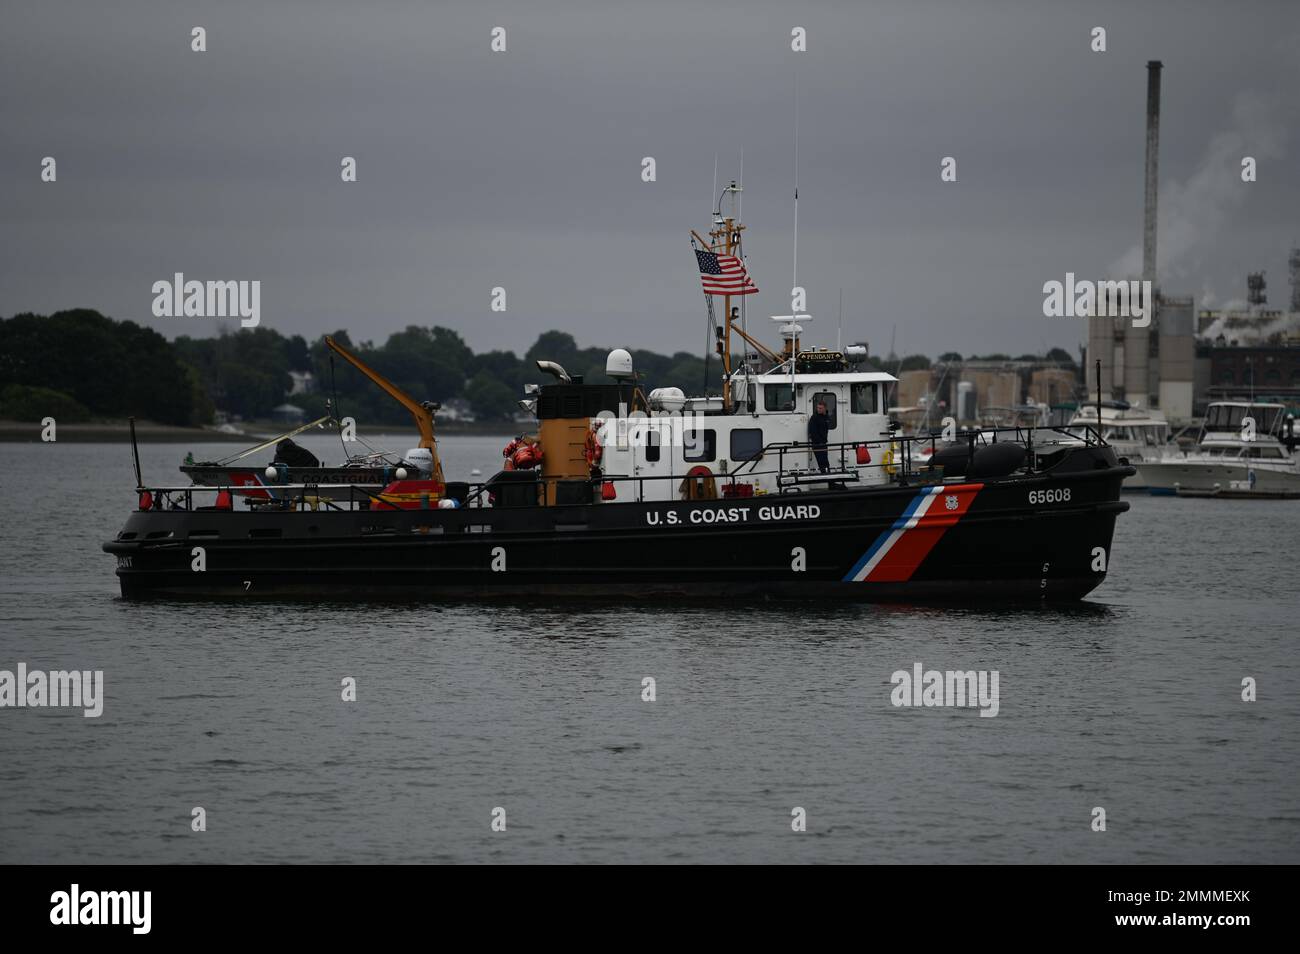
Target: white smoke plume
x,y
1191,213
1207,298
1240,326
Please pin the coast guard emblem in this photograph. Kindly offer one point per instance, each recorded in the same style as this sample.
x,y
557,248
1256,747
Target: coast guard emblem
x,y
950,502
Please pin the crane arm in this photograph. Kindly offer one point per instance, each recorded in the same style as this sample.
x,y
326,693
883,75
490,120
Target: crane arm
x,y
422,412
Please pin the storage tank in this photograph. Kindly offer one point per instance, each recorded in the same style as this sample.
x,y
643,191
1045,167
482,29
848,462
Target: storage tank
x,y
966,407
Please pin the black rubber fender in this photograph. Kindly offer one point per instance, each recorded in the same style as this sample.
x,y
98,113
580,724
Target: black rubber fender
x,y
996,460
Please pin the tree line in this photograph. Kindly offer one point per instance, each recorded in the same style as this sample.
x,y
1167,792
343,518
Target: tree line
x,y
76,364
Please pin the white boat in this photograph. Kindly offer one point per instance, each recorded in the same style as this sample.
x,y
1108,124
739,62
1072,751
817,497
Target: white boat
x,y
1245,450
1139,435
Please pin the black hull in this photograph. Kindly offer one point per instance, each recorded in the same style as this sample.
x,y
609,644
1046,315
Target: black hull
x,y
994,540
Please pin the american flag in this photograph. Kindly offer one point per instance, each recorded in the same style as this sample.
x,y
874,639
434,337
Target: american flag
x,y
724,274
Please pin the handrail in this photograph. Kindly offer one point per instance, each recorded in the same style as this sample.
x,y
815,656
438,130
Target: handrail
x,y
905,441
296,495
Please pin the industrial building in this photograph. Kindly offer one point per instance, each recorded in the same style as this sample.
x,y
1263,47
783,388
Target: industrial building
x,y
1252,352
1153,366
976,390
1184,359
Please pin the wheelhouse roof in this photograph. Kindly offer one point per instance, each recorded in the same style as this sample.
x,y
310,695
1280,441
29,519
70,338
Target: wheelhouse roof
x,y
1135,415
829,377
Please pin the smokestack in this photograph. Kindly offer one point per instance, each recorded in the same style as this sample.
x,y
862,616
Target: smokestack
x,y
1294,264
1152,172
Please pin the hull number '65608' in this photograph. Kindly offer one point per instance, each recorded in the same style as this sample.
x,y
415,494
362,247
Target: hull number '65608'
x,y
1055,495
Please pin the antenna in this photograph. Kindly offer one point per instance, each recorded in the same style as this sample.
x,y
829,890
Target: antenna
x,y
135,454
1099,438
795,280
839,332
740,250
716,211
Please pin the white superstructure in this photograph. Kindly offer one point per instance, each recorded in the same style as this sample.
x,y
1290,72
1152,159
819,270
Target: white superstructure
x,y
752,444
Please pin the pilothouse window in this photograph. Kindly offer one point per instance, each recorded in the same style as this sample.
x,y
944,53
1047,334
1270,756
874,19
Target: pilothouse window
x,y
862,399
699,445
747,443
778,397
1227,417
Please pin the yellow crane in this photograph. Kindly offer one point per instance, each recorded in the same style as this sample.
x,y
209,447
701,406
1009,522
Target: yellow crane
x,y
422,411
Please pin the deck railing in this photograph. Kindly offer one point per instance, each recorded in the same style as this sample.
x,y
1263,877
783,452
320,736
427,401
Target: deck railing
x,y
894,458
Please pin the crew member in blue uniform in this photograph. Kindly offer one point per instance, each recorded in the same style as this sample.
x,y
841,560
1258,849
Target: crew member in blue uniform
x,y
819,426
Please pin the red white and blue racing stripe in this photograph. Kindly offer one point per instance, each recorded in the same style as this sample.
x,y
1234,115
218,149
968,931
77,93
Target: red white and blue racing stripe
x,y
897,552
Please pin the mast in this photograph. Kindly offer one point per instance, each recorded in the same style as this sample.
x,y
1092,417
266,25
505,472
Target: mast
x,y
725,239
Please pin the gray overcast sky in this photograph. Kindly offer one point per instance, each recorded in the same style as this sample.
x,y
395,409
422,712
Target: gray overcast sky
x,y
522,169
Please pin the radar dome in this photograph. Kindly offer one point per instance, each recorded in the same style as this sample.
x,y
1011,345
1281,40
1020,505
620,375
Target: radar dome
x,y
619,364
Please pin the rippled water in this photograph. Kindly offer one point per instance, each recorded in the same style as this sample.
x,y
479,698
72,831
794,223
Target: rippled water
x,y
1130,701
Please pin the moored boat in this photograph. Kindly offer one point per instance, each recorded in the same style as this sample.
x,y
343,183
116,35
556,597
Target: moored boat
x,y
1245,449
1138,435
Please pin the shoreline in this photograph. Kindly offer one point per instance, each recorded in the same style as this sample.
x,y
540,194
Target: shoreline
x,y
103,432
91,432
